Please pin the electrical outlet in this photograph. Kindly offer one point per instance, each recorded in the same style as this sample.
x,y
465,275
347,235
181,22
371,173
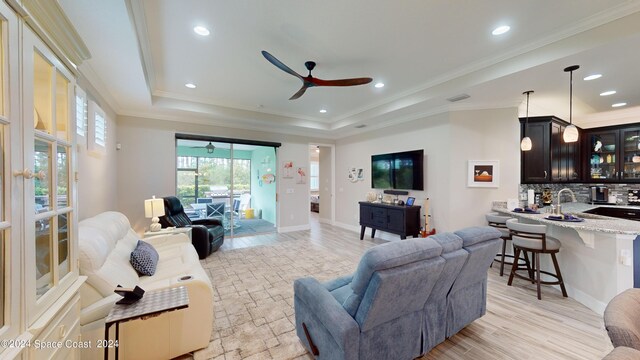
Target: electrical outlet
x,y
289,191
523,196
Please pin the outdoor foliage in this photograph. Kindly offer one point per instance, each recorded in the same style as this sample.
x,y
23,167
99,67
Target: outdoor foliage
x,y
211,174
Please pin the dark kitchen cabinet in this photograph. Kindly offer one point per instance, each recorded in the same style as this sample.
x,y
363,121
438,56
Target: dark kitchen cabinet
x,y
550,158
622,213
612,154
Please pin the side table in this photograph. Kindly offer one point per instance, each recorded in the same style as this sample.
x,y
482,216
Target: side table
x,y
169,231
152,304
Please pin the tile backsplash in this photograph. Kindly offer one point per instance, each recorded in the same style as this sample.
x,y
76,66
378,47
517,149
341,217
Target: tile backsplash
x,y
581,190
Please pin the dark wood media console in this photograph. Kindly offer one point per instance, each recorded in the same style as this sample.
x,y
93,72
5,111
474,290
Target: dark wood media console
x,y
401,220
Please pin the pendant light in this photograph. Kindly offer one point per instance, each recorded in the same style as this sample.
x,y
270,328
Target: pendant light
x,y
570,132
525,144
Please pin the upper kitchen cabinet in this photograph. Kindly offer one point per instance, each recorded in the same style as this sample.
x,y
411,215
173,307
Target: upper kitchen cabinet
x,y
550,158
613,154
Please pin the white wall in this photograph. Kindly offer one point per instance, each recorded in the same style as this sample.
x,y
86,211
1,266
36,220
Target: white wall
x,y
431,134
449,141
482,135
97,173
147,166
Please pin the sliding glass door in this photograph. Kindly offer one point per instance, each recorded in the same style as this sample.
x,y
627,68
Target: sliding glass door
x,y
224,180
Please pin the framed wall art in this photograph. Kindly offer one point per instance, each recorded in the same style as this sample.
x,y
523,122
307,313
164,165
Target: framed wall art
x,y
483,173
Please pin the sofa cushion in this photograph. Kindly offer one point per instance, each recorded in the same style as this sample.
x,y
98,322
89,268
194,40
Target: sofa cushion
x,y
449,241
144,258
477,234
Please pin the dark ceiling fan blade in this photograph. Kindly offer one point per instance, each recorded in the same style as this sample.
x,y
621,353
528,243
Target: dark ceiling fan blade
x,y
340,82
300,92
280,65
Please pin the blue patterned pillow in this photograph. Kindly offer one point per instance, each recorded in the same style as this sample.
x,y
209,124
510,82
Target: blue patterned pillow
x,y
144,258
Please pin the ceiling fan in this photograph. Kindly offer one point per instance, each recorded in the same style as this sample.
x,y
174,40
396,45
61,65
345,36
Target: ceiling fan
x,y
310,81
209,147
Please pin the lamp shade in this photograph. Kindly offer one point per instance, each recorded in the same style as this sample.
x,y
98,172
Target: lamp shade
x,y
570,134
153,208
525,144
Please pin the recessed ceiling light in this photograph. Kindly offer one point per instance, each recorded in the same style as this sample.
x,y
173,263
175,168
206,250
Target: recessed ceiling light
x,y
201,30
501,30
592,77
379,85
323,111
607,93
619,104
190,85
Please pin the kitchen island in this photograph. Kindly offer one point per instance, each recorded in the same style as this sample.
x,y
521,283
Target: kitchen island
x,y
597,256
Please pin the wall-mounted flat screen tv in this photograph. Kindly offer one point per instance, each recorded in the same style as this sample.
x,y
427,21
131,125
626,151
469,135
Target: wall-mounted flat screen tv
x,y
401,170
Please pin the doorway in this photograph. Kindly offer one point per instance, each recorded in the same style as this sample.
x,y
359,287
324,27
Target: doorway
x,y
230,181
321,183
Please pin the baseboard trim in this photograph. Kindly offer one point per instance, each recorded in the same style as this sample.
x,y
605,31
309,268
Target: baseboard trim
x,y
379,234
585,299
353,228
287,229
325,221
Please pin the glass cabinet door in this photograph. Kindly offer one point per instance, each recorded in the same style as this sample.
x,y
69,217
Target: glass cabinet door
x,y
602,155
49,206
11,178
630,154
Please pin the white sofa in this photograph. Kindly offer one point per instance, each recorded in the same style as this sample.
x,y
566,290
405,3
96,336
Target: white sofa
x,y
105,245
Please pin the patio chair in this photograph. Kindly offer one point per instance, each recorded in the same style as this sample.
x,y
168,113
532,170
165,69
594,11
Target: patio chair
x,y
215,210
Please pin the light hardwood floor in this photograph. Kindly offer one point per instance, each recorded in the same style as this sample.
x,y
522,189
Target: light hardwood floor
x,y
516,326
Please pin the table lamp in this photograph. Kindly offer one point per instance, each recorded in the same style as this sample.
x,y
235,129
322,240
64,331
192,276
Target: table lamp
x,y
152,209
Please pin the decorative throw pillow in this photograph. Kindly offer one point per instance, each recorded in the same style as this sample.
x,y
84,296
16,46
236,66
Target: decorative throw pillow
x,y
144,258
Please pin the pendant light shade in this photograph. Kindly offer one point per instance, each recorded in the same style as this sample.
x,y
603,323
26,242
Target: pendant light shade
x,y
570,132
525,143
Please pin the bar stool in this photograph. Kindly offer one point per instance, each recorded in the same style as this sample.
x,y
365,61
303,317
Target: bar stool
x,y
499,222
532,238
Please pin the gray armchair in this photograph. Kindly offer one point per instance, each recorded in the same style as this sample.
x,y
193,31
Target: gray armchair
x,y
622,319
377,312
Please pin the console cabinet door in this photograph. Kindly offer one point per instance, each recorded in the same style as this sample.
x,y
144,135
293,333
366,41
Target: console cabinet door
x,y
395,219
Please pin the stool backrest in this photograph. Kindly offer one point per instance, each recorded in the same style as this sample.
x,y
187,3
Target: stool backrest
x,y
528,231
499,222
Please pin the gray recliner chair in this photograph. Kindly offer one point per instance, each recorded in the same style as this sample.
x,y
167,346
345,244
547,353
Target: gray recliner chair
x,y
467,299
404,298
435,309
377,312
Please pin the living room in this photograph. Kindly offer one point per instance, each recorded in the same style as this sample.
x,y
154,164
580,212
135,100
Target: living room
x,y
128,69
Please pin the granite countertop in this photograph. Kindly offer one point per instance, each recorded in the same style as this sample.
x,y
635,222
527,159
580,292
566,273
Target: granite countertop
x,y
592,222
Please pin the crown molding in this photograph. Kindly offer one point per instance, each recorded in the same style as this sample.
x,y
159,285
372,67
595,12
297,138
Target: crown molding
x,y
51,24
135,8
614,117
255,125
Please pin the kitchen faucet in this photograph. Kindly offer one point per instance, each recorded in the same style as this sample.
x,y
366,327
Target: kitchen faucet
x,y
573,198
